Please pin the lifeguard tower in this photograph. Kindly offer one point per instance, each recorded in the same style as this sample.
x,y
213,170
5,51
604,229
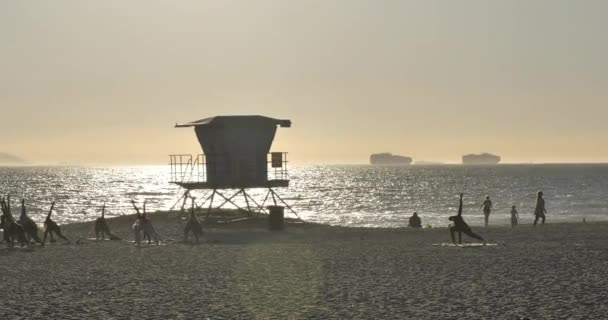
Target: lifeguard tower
x,y
236,157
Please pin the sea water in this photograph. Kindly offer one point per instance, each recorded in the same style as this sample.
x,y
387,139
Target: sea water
x,y
356,196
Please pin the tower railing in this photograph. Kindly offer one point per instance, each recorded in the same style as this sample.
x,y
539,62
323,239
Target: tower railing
x,y
187,168
277,166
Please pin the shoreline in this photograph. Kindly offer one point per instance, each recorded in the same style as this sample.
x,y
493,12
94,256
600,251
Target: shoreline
x,y
475,220
229,219
223,218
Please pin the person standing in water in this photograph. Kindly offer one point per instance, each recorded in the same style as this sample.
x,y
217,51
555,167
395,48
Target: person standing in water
x,y
540,211
514,216
462,227
487,209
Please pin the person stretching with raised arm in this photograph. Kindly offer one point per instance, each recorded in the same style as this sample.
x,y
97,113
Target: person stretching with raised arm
x,y
462,227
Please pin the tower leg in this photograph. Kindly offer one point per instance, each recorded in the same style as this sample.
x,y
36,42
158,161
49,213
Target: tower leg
x,y
210,204
229,200
202,204
247,202
261,207
257,205
286,205
178,200
274,200
181,210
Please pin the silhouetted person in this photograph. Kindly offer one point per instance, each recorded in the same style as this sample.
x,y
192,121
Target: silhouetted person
x,y
540,211
13,231
194,225
143,224
137,225
415,221
51,227
102,228
29,226
461,227
487,209
514,216
5,236
149,230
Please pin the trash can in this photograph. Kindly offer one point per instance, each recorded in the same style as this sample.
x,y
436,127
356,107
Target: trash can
x,y
275,219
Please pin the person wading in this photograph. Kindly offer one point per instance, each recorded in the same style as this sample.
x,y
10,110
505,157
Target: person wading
x,y
540,211
487,209
514,216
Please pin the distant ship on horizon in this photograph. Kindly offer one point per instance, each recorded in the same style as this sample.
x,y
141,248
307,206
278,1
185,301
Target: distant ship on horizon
x,y
483,158
389,159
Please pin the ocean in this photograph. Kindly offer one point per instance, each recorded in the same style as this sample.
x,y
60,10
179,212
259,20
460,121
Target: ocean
x,y
354,196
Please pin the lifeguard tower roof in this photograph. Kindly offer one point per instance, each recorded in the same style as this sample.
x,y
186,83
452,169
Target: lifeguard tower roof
x,y
236,121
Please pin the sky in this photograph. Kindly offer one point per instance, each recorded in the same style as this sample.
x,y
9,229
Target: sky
x,y
104,82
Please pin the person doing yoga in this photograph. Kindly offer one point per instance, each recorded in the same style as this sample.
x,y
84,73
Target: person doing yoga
x,y
462,227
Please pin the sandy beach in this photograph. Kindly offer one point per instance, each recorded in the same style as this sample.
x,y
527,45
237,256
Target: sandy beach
x,y
309,271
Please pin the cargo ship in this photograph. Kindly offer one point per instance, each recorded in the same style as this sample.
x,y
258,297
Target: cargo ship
x,y
484,158
389,159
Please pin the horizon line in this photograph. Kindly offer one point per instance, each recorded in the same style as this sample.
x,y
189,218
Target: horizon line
x,y
299,164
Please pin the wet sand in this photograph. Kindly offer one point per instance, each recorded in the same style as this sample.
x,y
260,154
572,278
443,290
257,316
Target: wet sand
x,y
244,271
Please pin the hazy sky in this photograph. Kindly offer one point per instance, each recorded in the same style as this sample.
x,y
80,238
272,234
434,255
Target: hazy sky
x,y
105,81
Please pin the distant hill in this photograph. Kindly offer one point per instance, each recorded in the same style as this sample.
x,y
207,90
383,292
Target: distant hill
x,y
7,158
